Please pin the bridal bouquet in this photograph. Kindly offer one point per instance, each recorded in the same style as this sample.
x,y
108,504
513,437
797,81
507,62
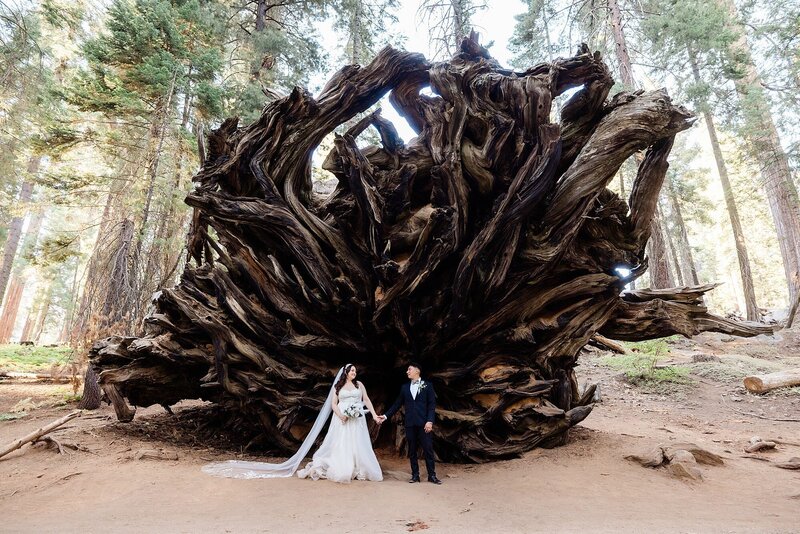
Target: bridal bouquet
x,y
353,411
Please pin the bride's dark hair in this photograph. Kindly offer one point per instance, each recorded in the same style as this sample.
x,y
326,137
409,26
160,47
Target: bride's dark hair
x,y
343,379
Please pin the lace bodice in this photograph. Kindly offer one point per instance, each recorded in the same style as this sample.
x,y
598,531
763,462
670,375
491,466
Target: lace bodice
x,y
349,396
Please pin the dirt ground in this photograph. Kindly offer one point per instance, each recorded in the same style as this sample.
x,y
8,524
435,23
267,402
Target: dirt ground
x,y
585,485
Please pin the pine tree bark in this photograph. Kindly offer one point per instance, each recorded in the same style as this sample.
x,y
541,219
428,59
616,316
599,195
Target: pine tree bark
x,y
486,249
620,45
685,247
676,264
15,227
90,399
8,319
30,321
660,273
751,306
765,147
28,245
43,313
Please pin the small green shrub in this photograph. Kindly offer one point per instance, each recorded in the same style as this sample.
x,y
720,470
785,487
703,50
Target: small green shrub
x,y
640,368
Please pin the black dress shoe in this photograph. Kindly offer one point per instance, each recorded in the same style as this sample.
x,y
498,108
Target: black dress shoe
x,y
434,480
413,479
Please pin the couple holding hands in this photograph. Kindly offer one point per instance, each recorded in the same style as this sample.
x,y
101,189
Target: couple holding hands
x,y
346,452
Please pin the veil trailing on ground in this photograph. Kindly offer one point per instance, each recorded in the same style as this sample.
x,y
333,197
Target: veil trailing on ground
x,y
245,469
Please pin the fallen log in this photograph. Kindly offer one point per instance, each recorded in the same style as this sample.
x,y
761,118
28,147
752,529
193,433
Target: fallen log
x,y
608,344
36,376
765,383
36,434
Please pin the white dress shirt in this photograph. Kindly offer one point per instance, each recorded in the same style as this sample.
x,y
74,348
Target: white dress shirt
x,y
415,388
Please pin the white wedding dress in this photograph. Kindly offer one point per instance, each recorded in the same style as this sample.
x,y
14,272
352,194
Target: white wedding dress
x,y
346,452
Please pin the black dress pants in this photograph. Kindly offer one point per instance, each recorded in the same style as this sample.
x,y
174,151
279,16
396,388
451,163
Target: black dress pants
x,y
416,435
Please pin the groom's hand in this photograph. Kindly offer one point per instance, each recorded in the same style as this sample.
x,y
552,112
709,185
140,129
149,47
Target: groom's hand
x,y
381,419
428,426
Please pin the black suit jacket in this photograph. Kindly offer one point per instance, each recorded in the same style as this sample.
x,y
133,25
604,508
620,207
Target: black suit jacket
x,y
417,411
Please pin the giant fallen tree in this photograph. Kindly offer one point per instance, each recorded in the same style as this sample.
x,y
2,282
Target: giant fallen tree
x,y
488,248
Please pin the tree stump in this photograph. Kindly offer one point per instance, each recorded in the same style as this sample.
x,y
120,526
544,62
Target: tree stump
x,y
487,249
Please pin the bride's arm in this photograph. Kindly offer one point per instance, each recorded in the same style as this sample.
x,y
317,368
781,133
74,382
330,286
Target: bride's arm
x,y
335,406
367,402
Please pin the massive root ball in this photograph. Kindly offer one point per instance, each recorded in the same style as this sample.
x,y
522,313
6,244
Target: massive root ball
x,y
487,249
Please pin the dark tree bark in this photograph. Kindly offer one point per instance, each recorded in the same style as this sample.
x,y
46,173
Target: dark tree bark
x,y
486,249
90,399
660,273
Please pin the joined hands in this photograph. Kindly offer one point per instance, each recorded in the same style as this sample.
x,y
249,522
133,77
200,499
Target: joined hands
x,y
379,418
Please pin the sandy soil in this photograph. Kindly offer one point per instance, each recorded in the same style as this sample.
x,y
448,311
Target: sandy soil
x,y
585,485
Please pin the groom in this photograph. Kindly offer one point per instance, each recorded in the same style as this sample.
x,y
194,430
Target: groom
x,y
419,400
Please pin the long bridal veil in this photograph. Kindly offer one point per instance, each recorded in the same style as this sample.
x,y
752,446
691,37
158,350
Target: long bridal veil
x,y
245,469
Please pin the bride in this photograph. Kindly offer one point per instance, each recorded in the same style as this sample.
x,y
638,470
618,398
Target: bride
x,y
346,452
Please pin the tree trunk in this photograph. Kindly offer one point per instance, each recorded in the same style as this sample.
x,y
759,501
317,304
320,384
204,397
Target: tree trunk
x,y
356,29
620,45
765,147
792,312
158,132
90,399
95,290
660,275
736,225
30,322
69,319
751,306
673,254
685,247
15,227
460,22
28,246
261,15
8,319
48,298
485,249
162,254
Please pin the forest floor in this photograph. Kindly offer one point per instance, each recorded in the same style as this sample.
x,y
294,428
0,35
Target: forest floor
x,y
664,394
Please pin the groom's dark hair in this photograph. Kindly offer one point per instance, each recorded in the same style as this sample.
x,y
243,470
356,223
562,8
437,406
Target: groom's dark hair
x,y
414,364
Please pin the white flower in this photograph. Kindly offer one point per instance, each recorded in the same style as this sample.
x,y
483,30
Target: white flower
x,y
353,411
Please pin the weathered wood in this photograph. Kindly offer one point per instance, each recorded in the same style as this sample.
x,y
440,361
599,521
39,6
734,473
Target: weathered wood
x,y
36,434
36,376
792,312
608,344
121,408
765,383
486,249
